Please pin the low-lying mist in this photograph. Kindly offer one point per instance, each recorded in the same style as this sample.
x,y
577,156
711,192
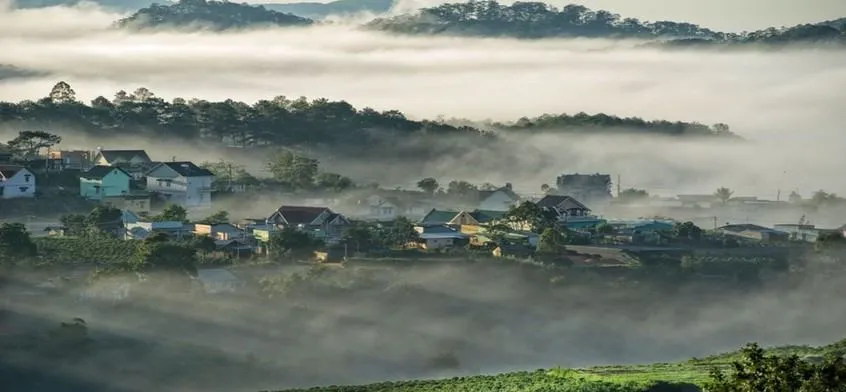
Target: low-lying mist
x,y
786,103
430,320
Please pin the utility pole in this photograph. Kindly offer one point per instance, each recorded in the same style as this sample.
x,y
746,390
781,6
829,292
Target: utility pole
x,y
618,185
229,166
715,223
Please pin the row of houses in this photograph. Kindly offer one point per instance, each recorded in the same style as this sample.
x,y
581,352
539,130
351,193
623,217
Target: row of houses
x,y
127,178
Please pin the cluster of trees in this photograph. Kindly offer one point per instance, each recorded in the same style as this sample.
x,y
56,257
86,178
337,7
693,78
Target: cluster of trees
x,y
214,15
587,123
278,121
531,20
541,20
302,172
103,219
758,371
363,236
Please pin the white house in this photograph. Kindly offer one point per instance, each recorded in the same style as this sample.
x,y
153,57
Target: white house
x,y
498,200
387,208
15,182
183,183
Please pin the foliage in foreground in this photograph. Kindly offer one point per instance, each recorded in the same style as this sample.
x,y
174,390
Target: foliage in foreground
x,y
540,380
751,369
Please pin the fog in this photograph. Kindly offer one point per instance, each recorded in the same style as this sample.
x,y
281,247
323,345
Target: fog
x,y
786,104
376,323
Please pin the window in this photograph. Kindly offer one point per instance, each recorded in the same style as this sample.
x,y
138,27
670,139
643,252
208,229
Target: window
x,y
27,176
23,188
168,183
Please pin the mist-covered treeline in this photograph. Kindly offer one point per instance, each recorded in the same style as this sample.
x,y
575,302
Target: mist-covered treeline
x,y
541,20
284,121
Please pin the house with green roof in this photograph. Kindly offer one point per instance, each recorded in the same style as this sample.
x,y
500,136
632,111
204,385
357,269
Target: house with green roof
x,y
103,181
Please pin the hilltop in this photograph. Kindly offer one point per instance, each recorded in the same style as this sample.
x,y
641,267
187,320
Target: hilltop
x,y
213,15
531,20
339,7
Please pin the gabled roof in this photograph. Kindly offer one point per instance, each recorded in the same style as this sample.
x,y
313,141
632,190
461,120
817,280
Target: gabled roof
x,y
560,201
9,171
126,155
486,194
185,169
299,215
485,216
100,171
438,217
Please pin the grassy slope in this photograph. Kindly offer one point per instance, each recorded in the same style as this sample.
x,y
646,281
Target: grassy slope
x,y
661,377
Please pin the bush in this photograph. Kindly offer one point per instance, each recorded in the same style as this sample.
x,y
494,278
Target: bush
x,y
70,250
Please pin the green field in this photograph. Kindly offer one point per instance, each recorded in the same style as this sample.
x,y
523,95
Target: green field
x,y
687,376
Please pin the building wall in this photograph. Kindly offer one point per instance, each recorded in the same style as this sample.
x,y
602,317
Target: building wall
x,y
189,192
437,243
113,184
22,184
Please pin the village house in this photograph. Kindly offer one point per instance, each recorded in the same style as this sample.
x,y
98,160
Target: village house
x,y
321,222
223,231
803,232
439,237
16,182
103,181
59,160
571,212
183,183
134,162
754,232
501,199
388,208
137,228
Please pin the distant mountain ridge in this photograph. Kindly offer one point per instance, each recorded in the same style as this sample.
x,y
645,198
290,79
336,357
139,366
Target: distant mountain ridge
x,y
532,20
214,15
312,10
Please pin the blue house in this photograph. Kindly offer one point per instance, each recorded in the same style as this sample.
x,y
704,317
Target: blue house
x,y
103,181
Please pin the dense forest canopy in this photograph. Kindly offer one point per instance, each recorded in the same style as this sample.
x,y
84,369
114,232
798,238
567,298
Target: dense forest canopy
x,y
216,15
532,20
541,20
284,121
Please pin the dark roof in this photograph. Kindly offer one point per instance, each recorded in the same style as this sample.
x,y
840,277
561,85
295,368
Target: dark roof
x,y
559,201
9,171
745,227
100,171
125,155
485,216
296,215
188,169
438,217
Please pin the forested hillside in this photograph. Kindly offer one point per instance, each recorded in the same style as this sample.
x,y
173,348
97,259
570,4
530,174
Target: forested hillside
x,y
541,20
284,121
215,15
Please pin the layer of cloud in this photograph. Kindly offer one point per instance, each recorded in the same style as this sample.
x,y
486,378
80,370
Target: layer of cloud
x,y
787,102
